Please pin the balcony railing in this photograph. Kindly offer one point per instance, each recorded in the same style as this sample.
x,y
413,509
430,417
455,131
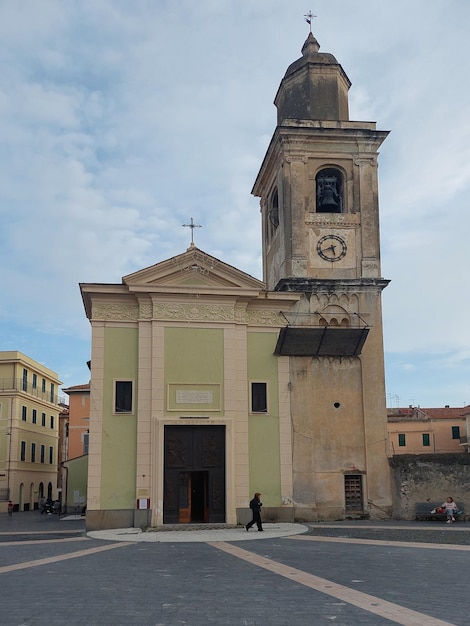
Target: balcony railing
x,y
18,384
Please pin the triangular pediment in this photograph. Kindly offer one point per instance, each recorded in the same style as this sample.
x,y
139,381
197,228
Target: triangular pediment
x,y
194,269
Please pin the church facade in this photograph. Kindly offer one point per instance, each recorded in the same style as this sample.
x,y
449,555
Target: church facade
x,y
208,384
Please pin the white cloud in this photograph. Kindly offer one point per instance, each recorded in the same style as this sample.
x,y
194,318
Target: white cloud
x,y
121,121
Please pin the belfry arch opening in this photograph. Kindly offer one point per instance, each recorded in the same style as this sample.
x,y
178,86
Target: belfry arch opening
x,y
273,214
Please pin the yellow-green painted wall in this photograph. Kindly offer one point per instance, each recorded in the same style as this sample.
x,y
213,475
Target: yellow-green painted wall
x,y
265,475
77,472
119,435
196,356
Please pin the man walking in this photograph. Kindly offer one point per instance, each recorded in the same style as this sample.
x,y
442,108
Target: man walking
x,y
255,506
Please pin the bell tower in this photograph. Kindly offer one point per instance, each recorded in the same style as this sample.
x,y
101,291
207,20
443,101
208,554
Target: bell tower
x,y
318,193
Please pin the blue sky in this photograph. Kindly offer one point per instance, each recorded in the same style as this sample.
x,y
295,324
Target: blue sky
x,y
122,120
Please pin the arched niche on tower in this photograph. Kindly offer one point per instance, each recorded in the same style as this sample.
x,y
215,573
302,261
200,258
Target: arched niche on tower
x,y
334,315
330,190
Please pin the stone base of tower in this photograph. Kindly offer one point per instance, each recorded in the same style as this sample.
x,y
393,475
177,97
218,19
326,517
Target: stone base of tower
x,y
302,514
332,514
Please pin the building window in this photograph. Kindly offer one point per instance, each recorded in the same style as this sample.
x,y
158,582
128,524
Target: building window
x,y
43,385
51,455
123,396
426,439
43,453
43,419
33,453
35,381
86,438
329,191
455,432
25,380
52,421
51,398
24,413
23,451
34,416
259,398
402,440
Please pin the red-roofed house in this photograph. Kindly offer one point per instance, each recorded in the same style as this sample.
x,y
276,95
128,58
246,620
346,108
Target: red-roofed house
x,y
414,430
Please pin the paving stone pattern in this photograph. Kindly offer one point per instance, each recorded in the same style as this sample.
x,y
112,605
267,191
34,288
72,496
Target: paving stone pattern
x,y
197,584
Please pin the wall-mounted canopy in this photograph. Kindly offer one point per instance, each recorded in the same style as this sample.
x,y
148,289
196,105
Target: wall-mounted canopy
x,y
320,341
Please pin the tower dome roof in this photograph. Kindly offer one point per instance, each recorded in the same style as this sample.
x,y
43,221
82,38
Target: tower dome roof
x,y
314,87
311,54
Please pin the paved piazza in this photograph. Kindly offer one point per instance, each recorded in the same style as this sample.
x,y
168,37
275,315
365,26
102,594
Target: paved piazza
x,y
346,574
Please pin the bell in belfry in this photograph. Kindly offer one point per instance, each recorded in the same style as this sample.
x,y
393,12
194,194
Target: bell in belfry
x,y
329,199
328,202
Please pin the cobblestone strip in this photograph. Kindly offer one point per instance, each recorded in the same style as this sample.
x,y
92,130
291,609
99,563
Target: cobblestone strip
x,y
35,542
39,532
63,557
377,606
382,542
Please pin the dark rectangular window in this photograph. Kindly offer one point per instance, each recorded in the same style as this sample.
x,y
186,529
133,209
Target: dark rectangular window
x,y
35,381
455,432
426,439
25,380
33,453
34,416
43,385
24,413
259,398
43,419
43,453
402,440
86,437
51,455
52,421
23,451
123,396
52,392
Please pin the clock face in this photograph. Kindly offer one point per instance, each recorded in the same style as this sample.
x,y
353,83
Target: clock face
x,y
331,248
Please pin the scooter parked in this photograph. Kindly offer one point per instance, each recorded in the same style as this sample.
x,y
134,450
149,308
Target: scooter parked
x,y
51,508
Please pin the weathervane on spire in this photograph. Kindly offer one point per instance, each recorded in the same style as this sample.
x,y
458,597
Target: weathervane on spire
x,y
192,226
308,19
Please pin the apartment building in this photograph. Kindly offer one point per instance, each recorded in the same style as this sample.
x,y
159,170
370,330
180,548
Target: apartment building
x,y
29,431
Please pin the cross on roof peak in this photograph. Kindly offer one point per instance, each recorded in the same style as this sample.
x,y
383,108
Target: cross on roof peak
x,y
308,18
192,226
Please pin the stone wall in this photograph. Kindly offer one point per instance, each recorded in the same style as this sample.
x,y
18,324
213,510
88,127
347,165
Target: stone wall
x,y
430,477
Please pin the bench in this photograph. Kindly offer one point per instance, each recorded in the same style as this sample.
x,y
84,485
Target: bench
x,y
423,511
